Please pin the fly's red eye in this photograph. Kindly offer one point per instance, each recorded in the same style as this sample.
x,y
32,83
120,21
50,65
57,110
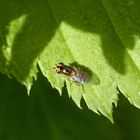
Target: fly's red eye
x,y
59,68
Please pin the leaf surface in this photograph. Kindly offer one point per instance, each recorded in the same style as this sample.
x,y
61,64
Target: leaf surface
x,y
102,36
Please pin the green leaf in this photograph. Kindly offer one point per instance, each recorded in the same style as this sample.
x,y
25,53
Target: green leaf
x,y
102,36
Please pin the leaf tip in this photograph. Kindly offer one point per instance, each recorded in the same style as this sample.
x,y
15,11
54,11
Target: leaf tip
x,y
28,90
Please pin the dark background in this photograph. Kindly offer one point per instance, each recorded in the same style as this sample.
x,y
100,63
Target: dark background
x,y
46,115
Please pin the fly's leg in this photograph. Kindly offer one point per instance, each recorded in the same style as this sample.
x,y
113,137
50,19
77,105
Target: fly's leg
x,y
77,83
71,82
83,88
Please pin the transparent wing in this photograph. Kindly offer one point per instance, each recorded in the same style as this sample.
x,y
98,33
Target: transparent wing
x,y
84,77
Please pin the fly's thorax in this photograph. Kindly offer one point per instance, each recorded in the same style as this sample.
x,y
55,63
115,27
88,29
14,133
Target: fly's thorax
x,y
59,68
69,71
73,72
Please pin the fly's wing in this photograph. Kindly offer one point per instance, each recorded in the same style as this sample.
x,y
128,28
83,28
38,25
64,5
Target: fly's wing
x,y
85,77
92,79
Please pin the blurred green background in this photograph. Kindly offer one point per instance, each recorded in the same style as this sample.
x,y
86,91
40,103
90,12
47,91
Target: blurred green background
x,y
47,115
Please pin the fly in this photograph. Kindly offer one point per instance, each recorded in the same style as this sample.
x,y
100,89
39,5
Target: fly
x,y
74,74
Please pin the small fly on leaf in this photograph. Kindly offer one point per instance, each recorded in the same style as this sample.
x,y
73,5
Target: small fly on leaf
x,y
75,74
